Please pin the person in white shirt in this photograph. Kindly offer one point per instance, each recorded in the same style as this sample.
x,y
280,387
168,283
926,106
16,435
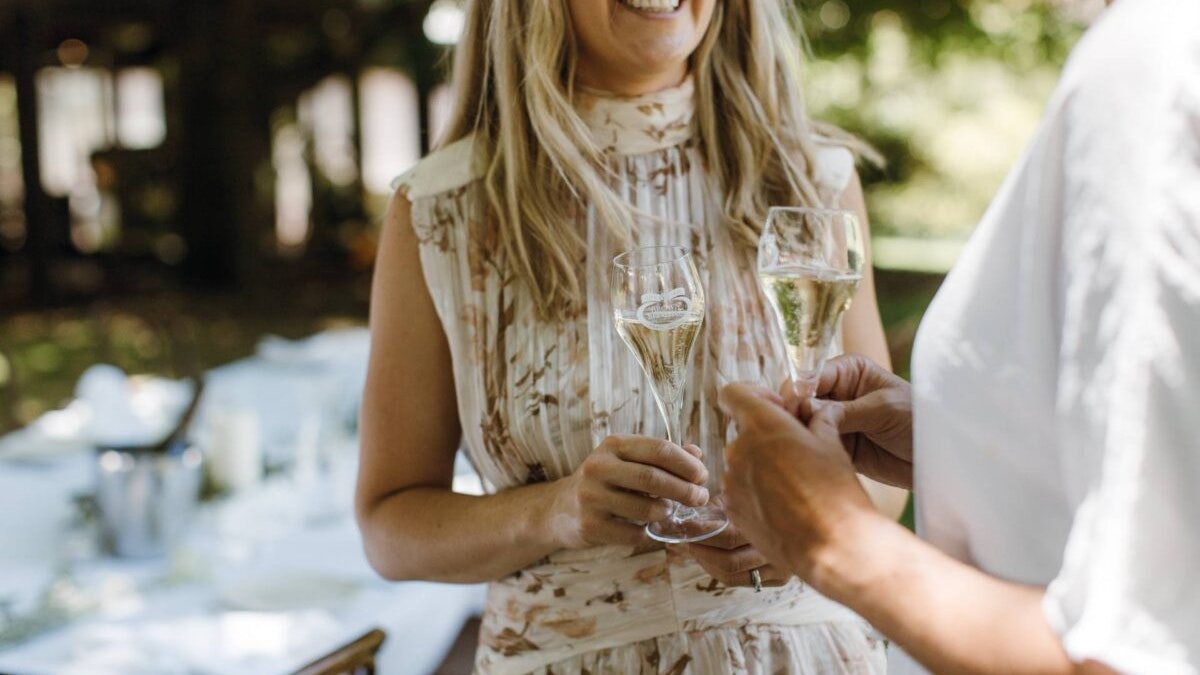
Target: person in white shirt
x,y
1051,434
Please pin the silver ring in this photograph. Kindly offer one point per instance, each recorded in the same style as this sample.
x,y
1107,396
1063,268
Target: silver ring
x,y
756,581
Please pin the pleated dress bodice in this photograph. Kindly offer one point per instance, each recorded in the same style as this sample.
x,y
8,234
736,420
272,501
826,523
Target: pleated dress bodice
x,y
535,397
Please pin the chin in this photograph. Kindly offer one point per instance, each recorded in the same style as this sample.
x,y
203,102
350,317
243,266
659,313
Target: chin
x,y
656,37
640,36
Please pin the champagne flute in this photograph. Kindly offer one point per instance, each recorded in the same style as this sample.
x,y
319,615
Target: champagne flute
x,y
658,308
810,262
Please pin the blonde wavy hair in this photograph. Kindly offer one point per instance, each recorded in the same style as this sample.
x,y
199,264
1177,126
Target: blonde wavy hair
x,y
514,74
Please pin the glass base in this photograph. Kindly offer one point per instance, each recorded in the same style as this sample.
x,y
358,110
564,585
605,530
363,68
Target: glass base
x,y
689,524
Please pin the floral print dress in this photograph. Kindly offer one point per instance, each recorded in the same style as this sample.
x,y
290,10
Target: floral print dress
x,y
536,397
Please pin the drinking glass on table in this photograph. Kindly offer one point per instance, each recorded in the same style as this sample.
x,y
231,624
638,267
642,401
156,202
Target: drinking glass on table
x,y
810,262
658,308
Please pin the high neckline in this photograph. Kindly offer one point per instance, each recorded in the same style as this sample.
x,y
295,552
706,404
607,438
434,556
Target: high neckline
x,y
636,125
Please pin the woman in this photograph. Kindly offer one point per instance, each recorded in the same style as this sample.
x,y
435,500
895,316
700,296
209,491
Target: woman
x,y
585,127
1050,432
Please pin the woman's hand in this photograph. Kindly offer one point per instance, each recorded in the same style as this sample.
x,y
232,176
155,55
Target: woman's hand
x,y
789,487
622,485
876,417
730,558
792,491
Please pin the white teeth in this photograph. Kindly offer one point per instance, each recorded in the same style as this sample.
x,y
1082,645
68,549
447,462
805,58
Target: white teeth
x,y
653,5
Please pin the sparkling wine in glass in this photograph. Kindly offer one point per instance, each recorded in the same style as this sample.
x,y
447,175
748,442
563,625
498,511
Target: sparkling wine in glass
x,y
658,308
810,262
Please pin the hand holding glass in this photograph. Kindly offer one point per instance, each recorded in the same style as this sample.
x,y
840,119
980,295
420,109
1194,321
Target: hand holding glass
x,y
658,308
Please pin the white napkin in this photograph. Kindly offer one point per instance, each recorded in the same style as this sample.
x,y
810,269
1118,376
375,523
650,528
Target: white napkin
x,y
110,408
124,411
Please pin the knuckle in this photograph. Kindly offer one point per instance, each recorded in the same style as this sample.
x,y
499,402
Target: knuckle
x,y
590,521
647,479
589,467
610,444
595,467
587,495
662,451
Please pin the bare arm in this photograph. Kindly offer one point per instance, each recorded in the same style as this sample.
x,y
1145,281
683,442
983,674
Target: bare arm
x,y
413,525
791,490
862,330
947,615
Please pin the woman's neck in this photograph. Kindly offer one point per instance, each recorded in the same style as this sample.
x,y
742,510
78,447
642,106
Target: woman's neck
x,y
629,85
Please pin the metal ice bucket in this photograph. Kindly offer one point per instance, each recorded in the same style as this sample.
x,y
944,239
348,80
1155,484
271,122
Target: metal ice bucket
x,y
146,498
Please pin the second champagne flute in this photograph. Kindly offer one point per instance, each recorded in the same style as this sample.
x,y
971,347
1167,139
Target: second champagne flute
x,y
810,262
658,308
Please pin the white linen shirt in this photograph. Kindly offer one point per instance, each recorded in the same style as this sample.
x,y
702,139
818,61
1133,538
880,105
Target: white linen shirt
x,y
1057,373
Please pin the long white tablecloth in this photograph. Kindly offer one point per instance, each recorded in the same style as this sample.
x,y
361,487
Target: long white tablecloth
x,y
201,626
263,584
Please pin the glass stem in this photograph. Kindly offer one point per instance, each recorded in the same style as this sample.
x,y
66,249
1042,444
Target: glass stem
x,y
672,412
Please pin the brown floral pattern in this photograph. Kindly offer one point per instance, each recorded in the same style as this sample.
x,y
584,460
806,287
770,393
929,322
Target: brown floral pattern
x,y
535,398
639,124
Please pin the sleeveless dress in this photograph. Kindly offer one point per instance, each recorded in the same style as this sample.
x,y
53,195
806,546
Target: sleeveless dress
x,y
536,397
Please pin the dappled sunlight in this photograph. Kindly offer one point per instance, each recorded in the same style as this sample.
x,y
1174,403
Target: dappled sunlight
x,y
950,108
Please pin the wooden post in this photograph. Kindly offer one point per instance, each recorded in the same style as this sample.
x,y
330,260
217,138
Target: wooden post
x,y
425,77
224,140
28,34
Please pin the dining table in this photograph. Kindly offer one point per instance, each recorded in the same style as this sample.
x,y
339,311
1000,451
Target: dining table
x,y
264,579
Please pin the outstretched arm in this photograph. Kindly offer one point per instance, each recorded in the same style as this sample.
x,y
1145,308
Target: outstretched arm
x,y
792,491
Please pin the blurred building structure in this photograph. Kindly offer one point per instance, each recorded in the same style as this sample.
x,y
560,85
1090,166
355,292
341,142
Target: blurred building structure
x,y
179,178
146,143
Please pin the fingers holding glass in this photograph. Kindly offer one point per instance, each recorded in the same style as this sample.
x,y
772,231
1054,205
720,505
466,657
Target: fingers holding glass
x,y
658,309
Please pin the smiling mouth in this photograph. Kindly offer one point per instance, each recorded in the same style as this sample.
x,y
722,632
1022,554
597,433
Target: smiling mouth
x,y
653,6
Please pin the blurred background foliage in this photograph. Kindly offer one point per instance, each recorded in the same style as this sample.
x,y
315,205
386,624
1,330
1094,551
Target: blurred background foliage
x,y
948,90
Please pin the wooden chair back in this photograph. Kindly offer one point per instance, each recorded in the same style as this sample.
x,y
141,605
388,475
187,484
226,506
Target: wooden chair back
x,y
354,658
